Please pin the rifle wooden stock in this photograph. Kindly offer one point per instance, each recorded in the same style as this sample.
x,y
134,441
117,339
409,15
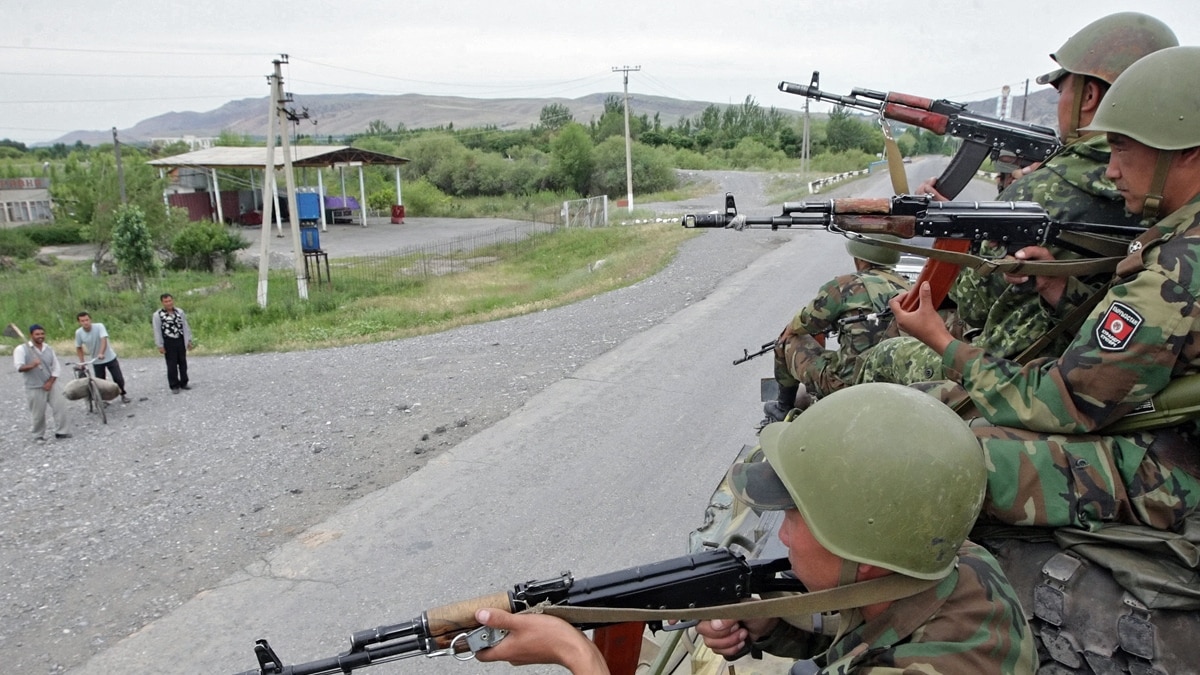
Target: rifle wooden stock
x,y
938,273
982,135
901,226
854,205
448,621
918,118
712,578
907,100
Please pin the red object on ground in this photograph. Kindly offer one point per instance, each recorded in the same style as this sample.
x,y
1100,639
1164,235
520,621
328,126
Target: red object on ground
x,y
397,214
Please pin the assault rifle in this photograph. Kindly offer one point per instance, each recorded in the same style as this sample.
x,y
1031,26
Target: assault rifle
x,y
841,324
981,135
1014,224
956,226
708,579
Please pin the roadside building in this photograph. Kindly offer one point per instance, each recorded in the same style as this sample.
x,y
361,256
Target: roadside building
x,y
24,201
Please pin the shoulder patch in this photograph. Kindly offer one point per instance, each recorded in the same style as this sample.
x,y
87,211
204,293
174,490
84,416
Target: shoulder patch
x,y
1117,326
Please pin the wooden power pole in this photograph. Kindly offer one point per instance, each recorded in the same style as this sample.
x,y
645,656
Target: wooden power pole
x,y
628,141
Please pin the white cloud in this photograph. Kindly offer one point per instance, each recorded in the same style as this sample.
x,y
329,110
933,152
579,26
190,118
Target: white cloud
x,y
703,49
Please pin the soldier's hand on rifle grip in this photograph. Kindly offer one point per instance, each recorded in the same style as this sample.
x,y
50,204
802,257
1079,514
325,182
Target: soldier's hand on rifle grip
x,y
928,188
731,638
922,321
540,638
1050,288
1026,170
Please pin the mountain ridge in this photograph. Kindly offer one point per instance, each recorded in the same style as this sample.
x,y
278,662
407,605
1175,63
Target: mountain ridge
x,y
344,114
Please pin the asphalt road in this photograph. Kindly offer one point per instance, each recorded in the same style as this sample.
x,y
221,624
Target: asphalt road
x,y
304,496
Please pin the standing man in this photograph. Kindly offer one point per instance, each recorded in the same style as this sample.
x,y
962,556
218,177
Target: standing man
x,y
36,361
92,338
173,336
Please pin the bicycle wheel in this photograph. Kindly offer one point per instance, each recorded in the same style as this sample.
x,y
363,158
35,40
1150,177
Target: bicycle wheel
x,y
95,399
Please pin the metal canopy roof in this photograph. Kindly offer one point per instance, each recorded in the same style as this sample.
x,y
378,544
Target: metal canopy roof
x,y
253,158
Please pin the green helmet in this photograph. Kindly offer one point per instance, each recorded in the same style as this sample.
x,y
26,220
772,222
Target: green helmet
x,y
1156,102
882,474
862,248
1104,48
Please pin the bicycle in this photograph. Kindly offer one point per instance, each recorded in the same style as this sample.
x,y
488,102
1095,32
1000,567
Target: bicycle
x,y
95,400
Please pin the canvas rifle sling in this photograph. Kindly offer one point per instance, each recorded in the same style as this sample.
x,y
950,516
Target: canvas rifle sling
x,y
861,594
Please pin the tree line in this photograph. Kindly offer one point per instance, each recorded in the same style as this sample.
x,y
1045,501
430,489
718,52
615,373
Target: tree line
x,y
557,158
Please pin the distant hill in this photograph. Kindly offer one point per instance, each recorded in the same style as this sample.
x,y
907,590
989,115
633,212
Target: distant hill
x,y
341,114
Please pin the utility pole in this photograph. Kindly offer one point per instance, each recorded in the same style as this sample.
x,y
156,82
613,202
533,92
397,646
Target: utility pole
x,y
1025,100
805,152
628,142
120,167
276,102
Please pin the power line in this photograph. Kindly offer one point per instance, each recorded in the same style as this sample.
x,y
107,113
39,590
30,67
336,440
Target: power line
x,y
131,76
226,97
472,85
132,51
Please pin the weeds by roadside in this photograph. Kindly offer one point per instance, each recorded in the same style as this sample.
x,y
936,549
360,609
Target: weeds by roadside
x,y
547,270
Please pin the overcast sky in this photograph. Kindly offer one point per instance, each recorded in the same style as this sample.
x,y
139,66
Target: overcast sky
x,y
70,64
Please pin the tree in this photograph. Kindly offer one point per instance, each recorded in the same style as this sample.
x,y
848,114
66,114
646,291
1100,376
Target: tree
x,y
86,193
652,169
571,161
555,116
845,132
228,138
133,247
378,128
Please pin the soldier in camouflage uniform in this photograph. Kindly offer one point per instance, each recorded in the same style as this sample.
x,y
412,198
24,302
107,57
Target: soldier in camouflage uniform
x,y
877,480
874,481
848,304
1049,460
1071,186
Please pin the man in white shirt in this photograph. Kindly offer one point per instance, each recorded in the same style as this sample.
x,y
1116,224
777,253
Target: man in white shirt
x,y
36,361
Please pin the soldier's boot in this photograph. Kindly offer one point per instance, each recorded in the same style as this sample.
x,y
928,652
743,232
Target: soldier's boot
x,y
778,409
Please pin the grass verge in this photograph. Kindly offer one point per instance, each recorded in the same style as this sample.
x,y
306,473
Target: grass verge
x,y
547,270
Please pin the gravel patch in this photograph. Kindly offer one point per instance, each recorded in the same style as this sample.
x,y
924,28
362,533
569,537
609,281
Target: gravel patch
x,y
103,533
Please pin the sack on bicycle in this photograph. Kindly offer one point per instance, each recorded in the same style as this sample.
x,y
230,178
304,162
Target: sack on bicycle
x,y
77,390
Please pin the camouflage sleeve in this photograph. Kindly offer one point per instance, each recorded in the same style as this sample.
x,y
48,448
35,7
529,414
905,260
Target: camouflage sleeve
x,y
1123,354
975,293
820,315
971,622
789,642
980,629
1076,293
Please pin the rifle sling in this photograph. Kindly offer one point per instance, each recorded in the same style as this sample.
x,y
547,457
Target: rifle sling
x,y
894,159
883,589
1072,321
1048,268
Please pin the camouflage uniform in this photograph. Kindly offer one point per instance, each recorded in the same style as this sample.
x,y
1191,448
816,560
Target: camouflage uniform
x,y
823,371
1072,187
1144,333
971,622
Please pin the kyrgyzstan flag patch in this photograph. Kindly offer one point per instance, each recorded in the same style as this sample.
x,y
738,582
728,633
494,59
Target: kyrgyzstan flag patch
x,y
1117,326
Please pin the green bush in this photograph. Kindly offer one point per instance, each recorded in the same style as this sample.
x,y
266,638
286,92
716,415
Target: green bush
x,y
652,169
17,244
381,200
841,162
751,153
132,245
54,234
422,198
690,159
195,247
